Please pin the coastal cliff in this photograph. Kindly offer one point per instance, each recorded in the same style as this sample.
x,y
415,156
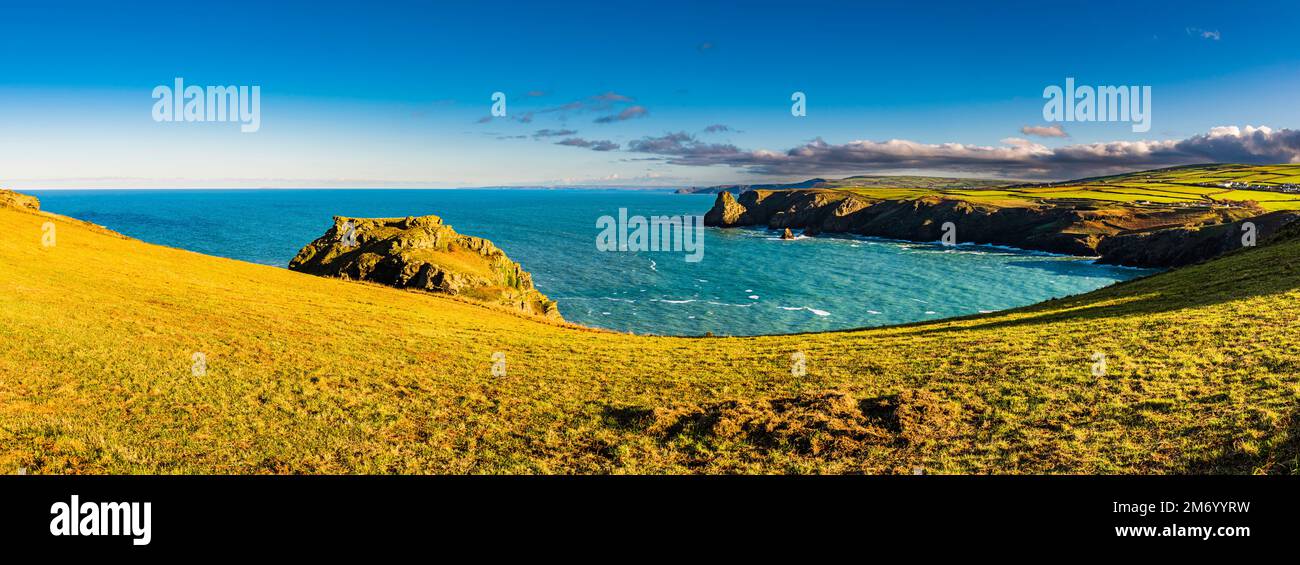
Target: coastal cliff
x,y
19,200
1184,246
1140,236
385,382
426,254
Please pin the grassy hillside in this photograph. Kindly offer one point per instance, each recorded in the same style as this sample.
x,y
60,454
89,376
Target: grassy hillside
x,y
1197,185
98,336
858,181
1273,187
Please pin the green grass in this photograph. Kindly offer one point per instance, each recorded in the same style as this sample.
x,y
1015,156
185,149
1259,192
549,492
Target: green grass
x,y
1178,185
315,375
910,181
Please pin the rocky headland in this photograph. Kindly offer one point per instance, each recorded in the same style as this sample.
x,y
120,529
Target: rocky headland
x,y
426,254
1121,234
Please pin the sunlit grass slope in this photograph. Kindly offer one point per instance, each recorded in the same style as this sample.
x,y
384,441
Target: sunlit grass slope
x,y
315,375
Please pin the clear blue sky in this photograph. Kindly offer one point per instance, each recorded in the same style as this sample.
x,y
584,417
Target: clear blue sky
x,y
392,93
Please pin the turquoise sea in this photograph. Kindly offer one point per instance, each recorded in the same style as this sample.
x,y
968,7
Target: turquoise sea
x,y
748,282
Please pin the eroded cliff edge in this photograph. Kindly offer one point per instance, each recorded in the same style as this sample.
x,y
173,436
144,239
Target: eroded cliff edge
x,y
426,254
1123,234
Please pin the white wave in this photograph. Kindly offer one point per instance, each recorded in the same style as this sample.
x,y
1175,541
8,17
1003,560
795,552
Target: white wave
x,y
952,251
1008,249
810,309
628,300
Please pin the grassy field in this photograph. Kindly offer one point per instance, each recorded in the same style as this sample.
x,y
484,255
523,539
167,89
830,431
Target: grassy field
x,y
1193,185
910,181
302,374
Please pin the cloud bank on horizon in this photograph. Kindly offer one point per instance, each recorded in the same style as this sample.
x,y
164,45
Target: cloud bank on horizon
x,y
1015,158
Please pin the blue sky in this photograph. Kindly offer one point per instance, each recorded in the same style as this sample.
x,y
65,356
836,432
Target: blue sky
x,y
393,93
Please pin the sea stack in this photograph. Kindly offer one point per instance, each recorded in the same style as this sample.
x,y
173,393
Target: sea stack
x,y
422,253
726,212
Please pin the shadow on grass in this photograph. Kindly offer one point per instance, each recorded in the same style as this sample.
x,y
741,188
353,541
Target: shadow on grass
x,y
1251,273
1281,457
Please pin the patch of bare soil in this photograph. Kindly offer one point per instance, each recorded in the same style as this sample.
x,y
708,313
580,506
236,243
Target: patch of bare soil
x,y
825,423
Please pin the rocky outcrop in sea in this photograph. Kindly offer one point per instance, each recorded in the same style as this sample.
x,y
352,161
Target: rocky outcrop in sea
x,y
422,253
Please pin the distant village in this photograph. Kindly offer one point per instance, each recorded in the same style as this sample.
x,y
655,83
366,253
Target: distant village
x,y
1200,204
1290,188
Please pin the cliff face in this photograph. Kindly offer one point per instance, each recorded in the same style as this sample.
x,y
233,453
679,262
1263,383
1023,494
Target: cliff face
x,y
1182,246
426,254
1126,235
727,212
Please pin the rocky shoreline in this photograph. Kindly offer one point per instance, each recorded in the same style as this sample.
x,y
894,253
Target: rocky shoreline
x,y
1129,235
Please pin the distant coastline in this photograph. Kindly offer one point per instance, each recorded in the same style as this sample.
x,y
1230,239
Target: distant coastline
x,y
1154,219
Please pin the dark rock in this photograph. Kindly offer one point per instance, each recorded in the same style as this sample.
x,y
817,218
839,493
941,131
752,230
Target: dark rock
x,y
1137,236
1187,245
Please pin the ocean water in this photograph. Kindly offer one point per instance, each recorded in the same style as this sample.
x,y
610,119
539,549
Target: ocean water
x,y
748,282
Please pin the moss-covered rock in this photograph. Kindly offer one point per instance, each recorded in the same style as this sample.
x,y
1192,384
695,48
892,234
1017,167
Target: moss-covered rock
x,y
426,254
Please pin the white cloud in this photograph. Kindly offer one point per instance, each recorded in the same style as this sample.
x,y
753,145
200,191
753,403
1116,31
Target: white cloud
x,y
1014,157
1044,131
